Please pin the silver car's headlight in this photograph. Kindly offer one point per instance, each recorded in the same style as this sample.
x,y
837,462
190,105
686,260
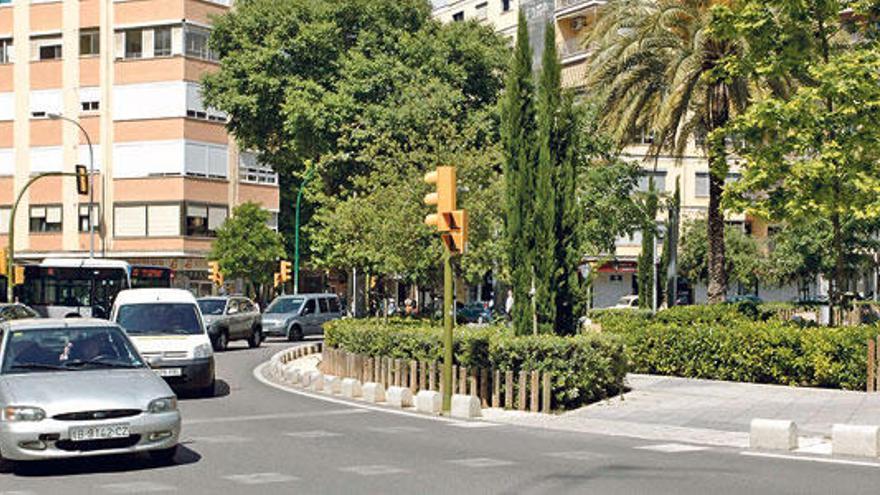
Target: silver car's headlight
x,y
165,404
203,351
22,413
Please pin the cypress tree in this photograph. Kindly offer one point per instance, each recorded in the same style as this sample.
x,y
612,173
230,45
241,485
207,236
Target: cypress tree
x,y
646,258
549,142
518,138
568,254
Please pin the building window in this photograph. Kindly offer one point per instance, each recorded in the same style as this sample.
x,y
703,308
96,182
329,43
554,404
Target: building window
x,y
659,181
162,42
45,219
6,51
505,5
196,43
458,17
482,11
701,183
272,222
130,221
134,43
203,220
163,220
4,219
252,171
89,43
90,106
50,52
85,219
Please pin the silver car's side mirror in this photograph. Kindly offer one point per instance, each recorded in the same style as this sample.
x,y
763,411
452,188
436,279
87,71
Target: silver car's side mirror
x,y
152,361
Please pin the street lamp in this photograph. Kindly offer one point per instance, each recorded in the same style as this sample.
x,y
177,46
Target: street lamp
x,y
58,116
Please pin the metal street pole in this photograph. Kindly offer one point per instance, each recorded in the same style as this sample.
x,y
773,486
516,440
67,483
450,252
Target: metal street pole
x,y
57,116
309,174
448,315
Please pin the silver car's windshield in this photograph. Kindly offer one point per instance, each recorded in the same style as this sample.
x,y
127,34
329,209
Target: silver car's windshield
x,y
285,305
212,307
159,319
64,349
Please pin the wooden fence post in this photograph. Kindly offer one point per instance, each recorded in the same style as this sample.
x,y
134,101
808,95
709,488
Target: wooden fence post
x,y
496,388
547,389
432,375
484,387
508,390
523,380
534,392
872,366
414,376
462,380
472,383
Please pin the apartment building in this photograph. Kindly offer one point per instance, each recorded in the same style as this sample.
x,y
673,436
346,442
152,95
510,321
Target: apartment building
x,y
572,19
167,175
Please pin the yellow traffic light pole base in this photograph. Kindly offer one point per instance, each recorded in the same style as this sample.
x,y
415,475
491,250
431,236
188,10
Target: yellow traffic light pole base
x,y
448,322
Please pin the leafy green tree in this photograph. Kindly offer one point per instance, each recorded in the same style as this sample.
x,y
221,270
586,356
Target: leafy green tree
x,y
518,137
817,155
669,258
655,67
246,247
745,262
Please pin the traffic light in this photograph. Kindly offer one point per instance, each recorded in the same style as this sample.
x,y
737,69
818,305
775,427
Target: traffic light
x,y
450,222
284,271
277,280
215,275
18,275
82,180
443,198
4,262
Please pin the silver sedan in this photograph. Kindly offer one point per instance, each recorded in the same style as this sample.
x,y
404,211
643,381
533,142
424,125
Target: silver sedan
x,y
76,387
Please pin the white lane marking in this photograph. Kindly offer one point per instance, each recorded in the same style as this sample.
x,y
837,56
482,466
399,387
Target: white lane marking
x,y
258,375
373,470
263,417
473,424
575,455
260,478
395,429
137,487
825,460
218,439
480,462
18,492
672,448
312,434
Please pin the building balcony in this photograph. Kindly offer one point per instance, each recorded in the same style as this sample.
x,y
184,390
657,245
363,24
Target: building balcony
x,y
572,48
569,7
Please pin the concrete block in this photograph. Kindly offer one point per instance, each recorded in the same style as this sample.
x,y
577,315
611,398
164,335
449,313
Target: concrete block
x,y
373,392
773,434
292,375
465,406
351,388
855,440
332,384
316,382
399,397
429,401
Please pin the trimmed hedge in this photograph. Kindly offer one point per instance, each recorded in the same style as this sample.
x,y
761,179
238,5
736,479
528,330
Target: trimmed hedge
x,y
584,368
717,344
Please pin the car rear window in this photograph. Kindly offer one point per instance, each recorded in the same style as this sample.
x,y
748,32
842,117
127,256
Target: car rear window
x,y
325,308
159,319
334,305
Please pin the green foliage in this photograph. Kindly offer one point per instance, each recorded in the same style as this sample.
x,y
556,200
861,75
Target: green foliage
x,y
246,247
744,261
726,342
646,257
583,368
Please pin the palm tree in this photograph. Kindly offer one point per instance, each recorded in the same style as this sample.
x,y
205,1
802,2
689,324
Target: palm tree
x,y
654,66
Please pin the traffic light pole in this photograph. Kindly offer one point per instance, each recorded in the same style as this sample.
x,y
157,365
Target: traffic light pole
x,y
448,315
302,186
10,263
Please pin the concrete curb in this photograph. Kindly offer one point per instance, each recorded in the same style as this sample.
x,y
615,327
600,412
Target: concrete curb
x,y
399,397
465,406
773,434
855,440
429,401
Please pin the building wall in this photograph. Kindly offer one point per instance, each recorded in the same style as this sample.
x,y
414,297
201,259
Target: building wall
x,y
128,72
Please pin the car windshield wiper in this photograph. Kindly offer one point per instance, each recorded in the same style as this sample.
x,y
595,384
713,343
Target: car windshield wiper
x,y
104,364
36,366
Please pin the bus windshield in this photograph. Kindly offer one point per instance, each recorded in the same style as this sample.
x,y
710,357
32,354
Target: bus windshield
x,y
59,291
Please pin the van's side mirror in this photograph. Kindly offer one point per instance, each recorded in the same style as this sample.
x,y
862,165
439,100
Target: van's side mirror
x,y
232,310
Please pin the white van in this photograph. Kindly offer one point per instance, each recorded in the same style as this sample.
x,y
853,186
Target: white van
x,y
167,328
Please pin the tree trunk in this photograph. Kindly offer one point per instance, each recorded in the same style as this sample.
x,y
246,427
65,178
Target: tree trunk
x,y
835,292
717,273
286,204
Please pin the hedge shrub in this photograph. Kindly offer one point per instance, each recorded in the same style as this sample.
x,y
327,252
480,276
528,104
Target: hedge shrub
x,y
584,368
717,344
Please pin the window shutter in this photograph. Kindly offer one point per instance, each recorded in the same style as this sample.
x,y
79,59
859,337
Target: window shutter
x,y
164,220
216,217
130,221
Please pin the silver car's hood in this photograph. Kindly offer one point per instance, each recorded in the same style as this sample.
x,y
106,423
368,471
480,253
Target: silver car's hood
x,y
209,319
91,390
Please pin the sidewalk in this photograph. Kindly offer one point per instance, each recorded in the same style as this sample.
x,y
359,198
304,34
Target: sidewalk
x,y
706,411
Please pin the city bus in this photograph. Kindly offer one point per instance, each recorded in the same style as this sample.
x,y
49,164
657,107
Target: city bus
x,y
62,287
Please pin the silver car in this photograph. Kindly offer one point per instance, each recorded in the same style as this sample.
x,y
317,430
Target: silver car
x,y
78,387
297,316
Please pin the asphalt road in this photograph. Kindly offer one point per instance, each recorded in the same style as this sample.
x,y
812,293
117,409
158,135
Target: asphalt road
x,y
256,439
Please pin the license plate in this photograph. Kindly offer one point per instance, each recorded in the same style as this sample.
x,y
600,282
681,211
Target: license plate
x,y
86,433
168,371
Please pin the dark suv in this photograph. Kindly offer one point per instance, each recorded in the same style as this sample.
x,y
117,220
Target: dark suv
x,y
229,318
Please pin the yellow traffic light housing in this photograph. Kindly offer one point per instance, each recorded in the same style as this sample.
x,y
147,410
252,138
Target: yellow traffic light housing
x,y
285,271
82,180
277,278
4,262
215,275
18,275
444,198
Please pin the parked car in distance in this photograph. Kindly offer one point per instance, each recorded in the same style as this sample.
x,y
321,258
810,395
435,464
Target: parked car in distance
x,y
744,298
16,311
167,328
296,316
230,318
78,387
627,302
473,312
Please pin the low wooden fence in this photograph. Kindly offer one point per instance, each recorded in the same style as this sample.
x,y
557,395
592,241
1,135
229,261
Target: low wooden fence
x,y
873,362
525,390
